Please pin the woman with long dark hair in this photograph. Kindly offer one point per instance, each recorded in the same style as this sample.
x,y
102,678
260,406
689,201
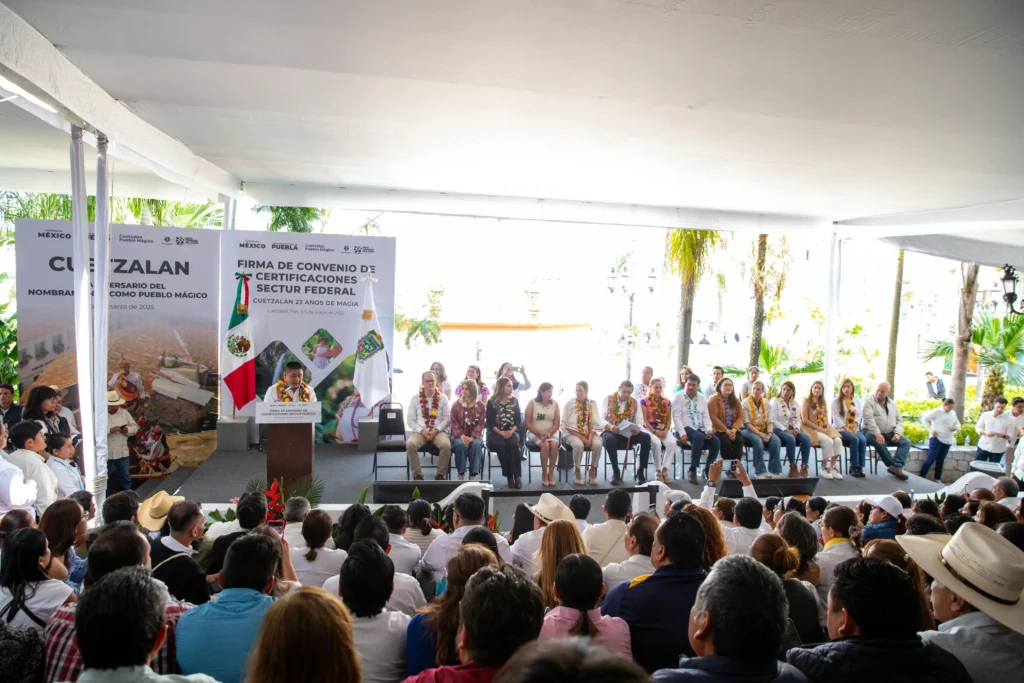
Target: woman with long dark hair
x,y
430,639
578,587
841,532
503,422
799,533
421,524
522,523
29,595
41,406
483,391
784,560
315,563
848,418
14,520
350,519
727,419
66,528
893,553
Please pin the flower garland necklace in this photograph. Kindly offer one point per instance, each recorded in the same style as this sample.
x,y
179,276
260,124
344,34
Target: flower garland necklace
x,y
582,418
617,417
753,412
429,414
659,411
820,414
851,411
284,397
789,409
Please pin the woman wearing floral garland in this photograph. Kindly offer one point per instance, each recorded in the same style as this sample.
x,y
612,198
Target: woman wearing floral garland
x,y
786,416
542,420
468,418
290,388
503,421
657,414
622,407
848,418
758,433
483,391
814,421
581,427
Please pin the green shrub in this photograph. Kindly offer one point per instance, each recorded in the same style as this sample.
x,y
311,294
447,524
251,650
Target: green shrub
x,y
913,410
915,432
967,430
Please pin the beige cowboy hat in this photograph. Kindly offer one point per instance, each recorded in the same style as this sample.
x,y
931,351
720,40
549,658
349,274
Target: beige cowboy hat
x,y
114,399
550,509
153,511
977,564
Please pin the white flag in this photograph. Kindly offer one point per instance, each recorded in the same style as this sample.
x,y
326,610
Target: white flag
x,y
372,372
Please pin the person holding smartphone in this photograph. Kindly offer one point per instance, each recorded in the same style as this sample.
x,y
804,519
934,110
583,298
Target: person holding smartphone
x,y
120,425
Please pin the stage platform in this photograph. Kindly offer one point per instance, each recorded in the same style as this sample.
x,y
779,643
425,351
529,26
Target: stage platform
x,y
346,473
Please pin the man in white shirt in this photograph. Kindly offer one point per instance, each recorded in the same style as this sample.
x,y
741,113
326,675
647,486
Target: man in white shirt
x,y
1017,412
581,427
469,511
428,415
30,457
15,492
547,510
120,425
290,388
641,389
748,517
995,429
942,423
605,541
580,506
404,554
618,408
638,542
693,423
379,634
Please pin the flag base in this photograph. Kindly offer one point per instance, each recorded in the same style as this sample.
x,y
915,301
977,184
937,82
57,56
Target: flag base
x,y
289,452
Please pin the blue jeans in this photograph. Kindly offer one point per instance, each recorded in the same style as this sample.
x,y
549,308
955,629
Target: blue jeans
x,y
698,442
757,445
936,456
988,456
475,451
858,445
791,442
902,450
117,476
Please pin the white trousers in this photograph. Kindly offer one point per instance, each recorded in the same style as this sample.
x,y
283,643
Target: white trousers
x,y
830,448
576,444
666,446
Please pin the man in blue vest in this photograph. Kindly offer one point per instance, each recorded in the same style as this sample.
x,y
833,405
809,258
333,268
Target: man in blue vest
x,y
657,606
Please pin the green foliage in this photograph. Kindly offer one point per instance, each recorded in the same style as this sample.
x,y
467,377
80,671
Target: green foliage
x,y
229,516
967,430
687,250
998,342
309,487
915,432
427,328
913,410
776,368
8,346
293,218
362,496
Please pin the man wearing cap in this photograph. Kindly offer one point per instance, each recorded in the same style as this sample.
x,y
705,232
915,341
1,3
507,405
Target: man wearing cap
x,y
976,594
639,542
884,520
547,510
120,425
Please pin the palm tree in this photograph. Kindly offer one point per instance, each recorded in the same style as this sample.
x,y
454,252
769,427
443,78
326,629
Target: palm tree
x,y
292,218
687,254
894,325
758,279
962,352
999,345
775,366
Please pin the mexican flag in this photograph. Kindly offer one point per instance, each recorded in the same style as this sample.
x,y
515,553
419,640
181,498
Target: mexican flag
x,y
239,366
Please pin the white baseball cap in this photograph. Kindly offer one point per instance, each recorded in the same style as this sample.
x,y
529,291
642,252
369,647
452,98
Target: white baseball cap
x,y
888,504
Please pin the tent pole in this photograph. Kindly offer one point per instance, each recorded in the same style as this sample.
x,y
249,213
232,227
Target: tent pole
x,y
835,267
83,312
101,299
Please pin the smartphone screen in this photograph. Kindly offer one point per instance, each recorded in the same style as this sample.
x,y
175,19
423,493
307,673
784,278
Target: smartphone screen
x,y
277,525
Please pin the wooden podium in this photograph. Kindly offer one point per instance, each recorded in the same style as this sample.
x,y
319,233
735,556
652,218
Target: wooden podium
x,y
289,439
289,452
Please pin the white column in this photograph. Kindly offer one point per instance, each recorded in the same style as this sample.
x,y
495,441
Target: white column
x,y
835,267
101,308
83,305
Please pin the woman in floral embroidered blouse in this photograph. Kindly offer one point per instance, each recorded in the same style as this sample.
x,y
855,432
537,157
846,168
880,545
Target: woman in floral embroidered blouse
x,y
483,391
823,434
657,417
847,417
503,421
468,419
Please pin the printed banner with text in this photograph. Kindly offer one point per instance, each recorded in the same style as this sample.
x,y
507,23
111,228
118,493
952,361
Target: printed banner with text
x,y
301,294
162,350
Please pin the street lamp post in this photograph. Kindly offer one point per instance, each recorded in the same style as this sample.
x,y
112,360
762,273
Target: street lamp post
x,y
628,289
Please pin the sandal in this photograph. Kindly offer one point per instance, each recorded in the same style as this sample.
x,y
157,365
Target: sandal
x,y
579,477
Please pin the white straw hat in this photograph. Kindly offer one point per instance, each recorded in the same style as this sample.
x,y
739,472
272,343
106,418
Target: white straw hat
x,y
977,564
549,509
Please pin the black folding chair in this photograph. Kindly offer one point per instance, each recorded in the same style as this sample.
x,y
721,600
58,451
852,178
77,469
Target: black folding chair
x,y
390,424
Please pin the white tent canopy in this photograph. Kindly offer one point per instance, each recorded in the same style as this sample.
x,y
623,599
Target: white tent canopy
x,y
788,112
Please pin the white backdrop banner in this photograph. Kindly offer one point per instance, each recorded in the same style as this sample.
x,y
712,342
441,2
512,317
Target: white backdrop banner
x,y
162,322
305,305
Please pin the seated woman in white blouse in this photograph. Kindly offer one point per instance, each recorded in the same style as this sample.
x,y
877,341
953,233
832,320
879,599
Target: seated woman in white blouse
x,y
31,581
316,563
